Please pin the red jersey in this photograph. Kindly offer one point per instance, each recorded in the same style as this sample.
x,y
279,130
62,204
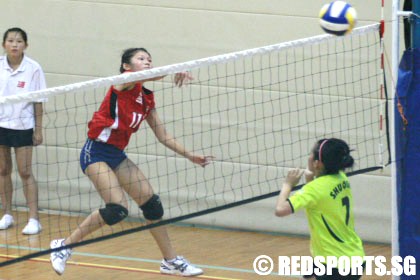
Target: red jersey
x,y
120,115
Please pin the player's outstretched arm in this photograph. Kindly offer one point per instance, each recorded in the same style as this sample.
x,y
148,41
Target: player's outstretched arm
x,y
170,142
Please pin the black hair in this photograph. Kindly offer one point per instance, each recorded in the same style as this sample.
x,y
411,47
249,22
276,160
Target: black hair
x,y
128,54
17,30
334,154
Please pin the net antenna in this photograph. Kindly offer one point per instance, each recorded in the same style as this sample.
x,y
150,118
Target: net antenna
x,y
258,111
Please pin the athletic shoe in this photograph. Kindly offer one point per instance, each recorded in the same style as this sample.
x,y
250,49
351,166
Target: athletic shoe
x,y
179,266
59,258
6,221
33,227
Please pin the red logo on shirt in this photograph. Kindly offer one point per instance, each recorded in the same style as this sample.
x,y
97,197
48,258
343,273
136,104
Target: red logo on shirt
x,y
21,84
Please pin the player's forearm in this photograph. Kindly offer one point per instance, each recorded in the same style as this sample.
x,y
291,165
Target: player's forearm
x,y
283,207
173,144
38,112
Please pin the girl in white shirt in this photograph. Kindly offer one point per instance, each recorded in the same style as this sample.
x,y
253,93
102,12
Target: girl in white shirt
x,y
20,126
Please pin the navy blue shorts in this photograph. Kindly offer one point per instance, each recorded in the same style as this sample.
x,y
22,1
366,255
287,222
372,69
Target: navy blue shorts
x,y
94,151
16,138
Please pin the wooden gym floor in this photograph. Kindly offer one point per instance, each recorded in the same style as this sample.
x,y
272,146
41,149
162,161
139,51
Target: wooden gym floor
x,y
222,254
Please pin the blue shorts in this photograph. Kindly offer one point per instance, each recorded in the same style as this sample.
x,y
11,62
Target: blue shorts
x,y
94,151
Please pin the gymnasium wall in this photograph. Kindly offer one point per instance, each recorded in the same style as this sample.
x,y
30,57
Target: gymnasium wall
x,y
80,40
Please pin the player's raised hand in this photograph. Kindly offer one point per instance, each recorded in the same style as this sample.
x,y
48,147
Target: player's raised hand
x,y
182,78
293,176
202,160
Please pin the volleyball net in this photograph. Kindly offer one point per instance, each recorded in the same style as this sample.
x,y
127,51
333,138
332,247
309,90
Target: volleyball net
x,y
257,111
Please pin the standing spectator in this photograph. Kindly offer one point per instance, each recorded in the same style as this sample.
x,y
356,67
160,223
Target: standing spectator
x,y
20,126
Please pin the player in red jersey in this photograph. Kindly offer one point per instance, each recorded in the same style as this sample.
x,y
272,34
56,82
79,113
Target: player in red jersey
x,y
103,160
120,115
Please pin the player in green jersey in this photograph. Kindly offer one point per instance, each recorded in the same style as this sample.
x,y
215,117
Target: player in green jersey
x,y
328,201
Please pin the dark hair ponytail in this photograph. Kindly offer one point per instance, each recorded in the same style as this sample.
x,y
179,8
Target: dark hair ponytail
x,y
334,154
128,54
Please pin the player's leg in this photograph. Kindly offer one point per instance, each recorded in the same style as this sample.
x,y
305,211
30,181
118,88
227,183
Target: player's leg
x,y
107,186
138,187
115,210
30,188
6,187
134,182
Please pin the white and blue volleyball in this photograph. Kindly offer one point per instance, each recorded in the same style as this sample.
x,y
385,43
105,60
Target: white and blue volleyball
x,y
338,18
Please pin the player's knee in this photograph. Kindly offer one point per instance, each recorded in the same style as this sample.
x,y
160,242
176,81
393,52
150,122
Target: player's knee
x,y
6,171
113,213
25,173
152,209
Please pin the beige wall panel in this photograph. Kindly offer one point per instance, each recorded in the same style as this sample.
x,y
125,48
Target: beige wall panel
x,y
86,37
366,10
75,193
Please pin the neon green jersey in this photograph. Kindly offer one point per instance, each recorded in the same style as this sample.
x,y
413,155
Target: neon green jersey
x,y
329,208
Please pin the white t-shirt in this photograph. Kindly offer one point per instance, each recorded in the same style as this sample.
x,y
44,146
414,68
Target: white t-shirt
x,y
28,77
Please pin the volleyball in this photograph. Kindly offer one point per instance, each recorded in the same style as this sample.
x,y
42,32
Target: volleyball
x,y
338,18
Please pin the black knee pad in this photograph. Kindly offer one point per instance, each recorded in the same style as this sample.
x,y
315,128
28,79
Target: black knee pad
x,y
152,209
113,213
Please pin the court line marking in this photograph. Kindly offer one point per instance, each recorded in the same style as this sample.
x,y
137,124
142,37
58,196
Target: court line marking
x,y
128,258
113,257
114,267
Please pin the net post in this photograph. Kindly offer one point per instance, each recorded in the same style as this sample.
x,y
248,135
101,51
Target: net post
x,y
395,64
